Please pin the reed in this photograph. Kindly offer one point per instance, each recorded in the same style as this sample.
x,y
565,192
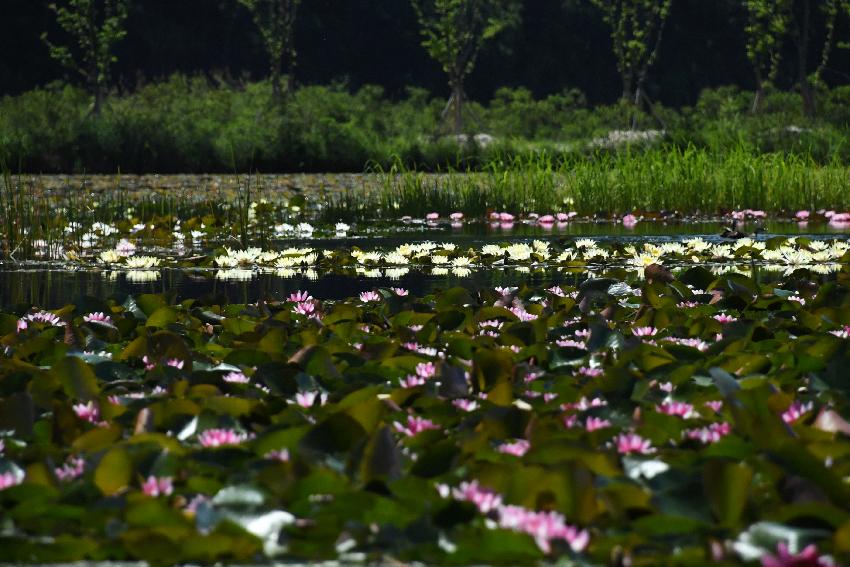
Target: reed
x,y
690,180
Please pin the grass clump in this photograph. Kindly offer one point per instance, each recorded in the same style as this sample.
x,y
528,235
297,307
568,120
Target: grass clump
x,y
690,180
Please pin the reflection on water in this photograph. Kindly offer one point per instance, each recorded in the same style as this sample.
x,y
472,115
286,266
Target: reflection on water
x,y
601,229
54,288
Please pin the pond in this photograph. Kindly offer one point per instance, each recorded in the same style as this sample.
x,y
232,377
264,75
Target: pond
x,y
183,385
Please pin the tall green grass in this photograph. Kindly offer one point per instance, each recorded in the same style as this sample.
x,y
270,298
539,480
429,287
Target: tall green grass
x,y
687,180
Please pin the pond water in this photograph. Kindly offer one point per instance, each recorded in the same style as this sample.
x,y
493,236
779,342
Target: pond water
x,y
53,283
52,288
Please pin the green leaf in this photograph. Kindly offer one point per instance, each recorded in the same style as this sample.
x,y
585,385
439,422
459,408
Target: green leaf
x,y
114,472
77,378
727,486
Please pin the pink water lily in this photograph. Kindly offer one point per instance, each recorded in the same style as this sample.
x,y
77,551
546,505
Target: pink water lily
x,y
678,409
585,404
544,527
590,372
212,438
400,291
87,411
595,423
236,378
299,297
724,318
522,314
796,411
712,433
517,448
304,308
307,399
415,425
432,216
644,331
808,557
484,499
98,317
629,221
411,381
44,318
465,405
73,468
9,479
368,296
426,370
630,443
802,215
456,216
157,486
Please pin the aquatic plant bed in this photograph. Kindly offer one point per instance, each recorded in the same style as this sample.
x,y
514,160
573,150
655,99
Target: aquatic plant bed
x,y
650,417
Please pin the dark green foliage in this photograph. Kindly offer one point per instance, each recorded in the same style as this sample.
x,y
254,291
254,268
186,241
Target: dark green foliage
x,y
188,125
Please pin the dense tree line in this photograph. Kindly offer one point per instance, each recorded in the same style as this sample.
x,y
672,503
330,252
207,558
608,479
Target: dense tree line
x,y
606,48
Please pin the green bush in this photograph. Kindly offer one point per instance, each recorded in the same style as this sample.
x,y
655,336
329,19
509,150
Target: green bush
x,y
190,124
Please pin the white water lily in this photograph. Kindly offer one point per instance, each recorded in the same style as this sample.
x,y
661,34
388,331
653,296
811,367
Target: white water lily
x,y
795,256
673,248
461,262
396,258
644,260
142,262
439,259
566,256
697,244
592,253
585,243
519,252
341,227
225,261
369,257
288,261
721,251
109,257
491,250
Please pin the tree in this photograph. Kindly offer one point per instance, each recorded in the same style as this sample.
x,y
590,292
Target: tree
x,y
453,32
767,25
801,32
276,21
637,27
96,25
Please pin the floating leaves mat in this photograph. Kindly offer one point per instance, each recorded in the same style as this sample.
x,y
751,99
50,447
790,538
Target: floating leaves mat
x,y
685,416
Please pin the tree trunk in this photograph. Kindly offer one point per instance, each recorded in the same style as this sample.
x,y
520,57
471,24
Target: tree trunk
x,y
95,87
275,80
638,102
457,96
757,100
628,91
98,100
759,95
